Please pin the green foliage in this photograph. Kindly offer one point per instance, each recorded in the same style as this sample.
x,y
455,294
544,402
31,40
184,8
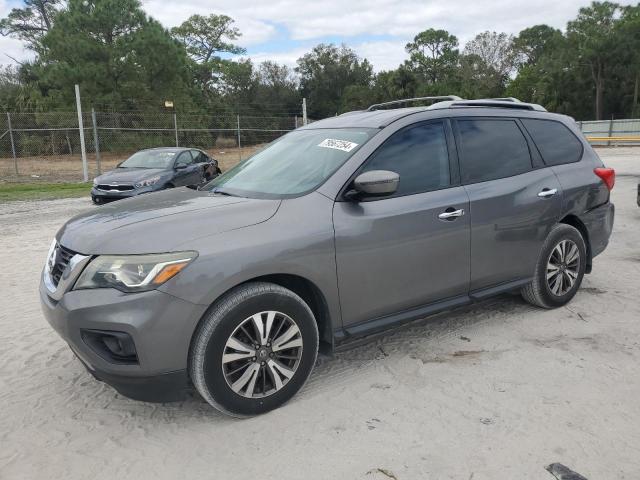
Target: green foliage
x,y
326,72
30,23
125,60
433,55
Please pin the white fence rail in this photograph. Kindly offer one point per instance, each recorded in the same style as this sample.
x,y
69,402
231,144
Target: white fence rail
x,y
612,132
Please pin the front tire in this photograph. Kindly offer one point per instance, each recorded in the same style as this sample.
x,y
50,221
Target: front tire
x,y
254,349
559,270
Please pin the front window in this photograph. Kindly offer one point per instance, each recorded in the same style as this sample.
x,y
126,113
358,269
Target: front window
x,y
150,159
293,165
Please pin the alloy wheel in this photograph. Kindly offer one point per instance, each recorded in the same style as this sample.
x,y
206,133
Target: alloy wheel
x,y
262,354
563,267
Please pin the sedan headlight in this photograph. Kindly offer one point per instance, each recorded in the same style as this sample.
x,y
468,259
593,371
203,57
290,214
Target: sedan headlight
x,y
133,273
148,182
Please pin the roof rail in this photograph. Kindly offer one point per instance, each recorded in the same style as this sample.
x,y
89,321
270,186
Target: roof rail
x,y
408,100
517,105
505,99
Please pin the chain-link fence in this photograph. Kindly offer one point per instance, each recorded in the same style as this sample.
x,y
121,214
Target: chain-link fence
x,y
47,146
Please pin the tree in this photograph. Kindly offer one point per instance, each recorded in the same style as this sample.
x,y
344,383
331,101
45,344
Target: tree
x,y
593,35
117,54
628,30
205,37
326,72
277,87
30,23
495,50
533,43
433,54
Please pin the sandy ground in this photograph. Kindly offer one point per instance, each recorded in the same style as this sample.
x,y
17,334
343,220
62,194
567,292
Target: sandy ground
x,y
496,391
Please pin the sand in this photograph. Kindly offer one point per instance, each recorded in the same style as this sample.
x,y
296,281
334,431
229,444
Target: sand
x,y
496,391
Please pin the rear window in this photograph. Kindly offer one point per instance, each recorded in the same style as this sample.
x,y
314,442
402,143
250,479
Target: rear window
x,y
555,141
492,149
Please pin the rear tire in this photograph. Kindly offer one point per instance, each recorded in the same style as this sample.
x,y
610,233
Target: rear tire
x,y
254,349
559,270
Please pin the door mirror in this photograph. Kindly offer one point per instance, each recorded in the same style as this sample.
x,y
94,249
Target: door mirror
x,y
180,166
375,183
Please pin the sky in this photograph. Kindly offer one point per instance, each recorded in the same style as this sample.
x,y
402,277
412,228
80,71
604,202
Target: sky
x,y
283,30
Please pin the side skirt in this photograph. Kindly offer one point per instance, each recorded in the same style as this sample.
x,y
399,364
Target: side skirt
x,y
363,332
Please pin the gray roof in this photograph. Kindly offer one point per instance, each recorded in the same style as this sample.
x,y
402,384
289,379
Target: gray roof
x,y
365,119
382,118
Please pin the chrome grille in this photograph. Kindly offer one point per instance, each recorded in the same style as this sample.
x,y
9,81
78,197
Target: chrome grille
x,y
114,188
59,261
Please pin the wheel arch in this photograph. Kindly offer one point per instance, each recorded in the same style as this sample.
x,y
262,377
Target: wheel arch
x,y
575,222
305,289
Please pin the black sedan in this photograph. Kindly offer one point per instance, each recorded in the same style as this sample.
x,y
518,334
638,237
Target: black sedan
x,y
152,170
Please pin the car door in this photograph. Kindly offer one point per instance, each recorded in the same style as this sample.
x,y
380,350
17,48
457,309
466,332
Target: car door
x,y
201,162
514,200
187,173
394,254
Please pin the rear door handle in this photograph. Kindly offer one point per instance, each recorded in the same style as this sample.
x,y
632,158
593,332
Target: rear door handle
x,y
451,214
548,192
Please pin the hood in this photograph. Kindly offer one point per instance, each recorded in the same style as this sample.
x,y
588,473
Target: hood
x,y
161,222
130,175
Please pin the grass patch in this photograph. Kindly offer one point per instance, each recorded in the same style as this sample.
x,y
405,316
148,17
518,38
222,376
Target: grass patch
x,y
10,192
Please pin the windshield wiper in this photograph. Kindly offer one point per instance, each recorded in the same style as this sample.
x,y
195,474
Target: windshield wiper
x,y
219,191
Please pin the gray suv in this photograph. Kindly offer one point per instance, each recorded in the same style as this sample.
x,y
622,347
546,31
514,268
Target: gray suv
x,y
336,231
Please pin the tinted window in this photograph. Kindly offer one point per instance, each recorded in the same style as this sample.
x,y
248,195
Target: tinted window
x,y
185,158
419,155
492,149
150,159
199,157
556,143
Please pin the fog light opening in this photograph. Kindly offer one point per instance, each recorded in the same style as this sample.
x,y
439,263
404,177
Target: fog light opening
x,y
114,347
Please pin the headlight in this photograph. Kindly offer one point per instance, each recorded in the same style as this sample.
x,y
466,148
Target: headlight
x,y
133,273
148,182
95,182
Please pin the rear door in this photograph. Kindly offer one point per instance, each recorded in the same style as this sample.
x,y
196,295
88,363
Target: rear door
x,y
395,253
514,200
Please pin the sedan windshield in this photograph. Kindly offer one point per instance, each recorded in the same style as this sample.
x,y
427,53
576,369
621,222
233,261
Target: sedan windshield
x,y
150,159
295,164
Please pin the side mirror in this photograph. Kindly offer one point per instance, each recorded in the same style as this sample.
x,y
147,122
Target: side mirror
x,y
375,183
180,166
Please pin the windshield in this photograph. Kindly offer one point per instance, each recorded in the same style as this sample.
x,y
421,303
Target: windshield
x,y
150,159
292,165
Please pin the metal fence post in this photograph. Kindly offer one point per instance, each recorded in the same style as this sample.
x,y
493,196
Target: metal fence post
x,y
610,131
304,111
83,150
96,143
13,145
175,127
239,145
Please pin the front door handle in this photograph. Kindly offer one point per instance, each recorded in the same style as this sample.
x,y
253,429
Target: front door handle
x,y
548,192
451,214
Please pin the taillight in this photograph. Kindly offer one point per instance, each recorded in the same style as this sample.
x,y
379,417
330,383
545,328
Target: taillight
x,y
607,175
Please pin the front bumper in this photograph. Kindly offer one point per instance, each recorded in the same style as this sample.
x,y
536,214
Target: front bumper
x,y
160,325
103,196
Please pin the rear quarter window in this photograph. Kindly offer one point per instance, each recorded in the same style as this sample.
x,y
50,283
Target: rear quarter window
x,y
556,143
